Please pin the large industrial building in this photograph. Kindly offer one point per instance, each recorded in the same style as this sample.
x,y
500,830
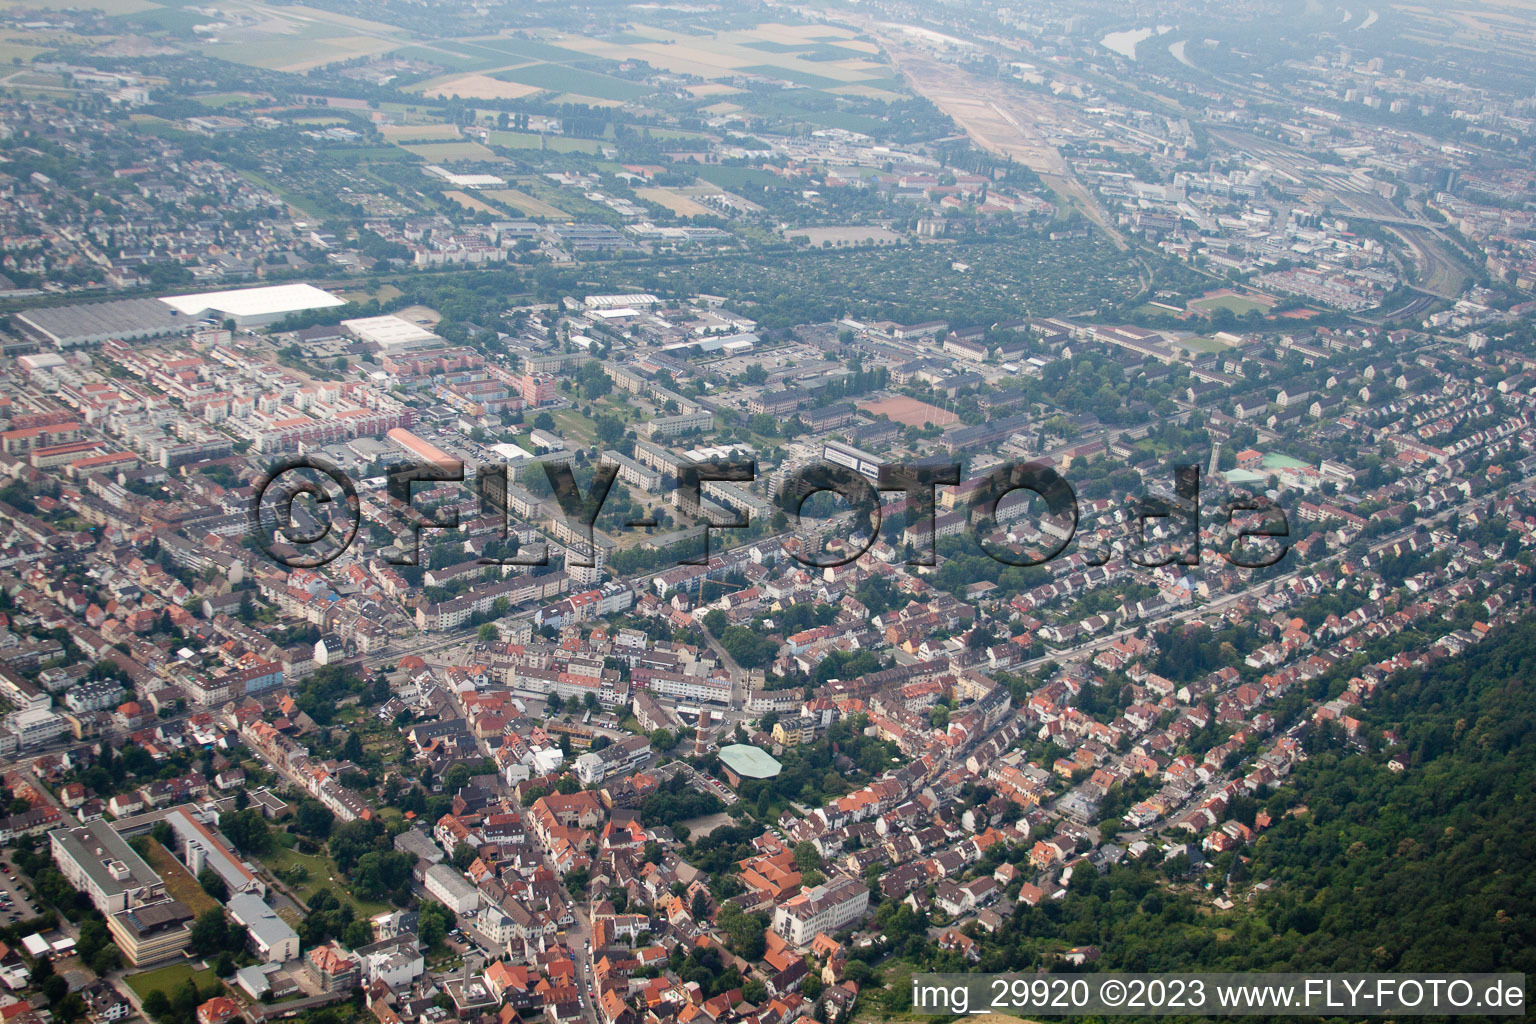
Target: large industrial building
x,y
253,307
424,450
390,332
91,323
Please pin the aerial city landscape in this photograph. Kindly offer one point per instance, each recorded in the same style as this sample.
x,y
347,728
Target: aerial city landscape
x,y
701,512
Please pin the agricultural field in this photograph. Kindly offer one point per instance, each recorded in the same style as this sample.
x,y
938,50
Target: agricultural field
x,y
419,132
524,203
433,152
562,78
676,201
818,56
567,68
12,49
712,89
470,203
554,143
477,86
290,38
856,234
226,100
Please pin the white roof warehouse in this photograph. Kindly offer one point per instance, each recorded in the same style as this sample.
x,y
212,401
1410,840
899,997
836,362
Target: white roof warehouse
x,y
254,307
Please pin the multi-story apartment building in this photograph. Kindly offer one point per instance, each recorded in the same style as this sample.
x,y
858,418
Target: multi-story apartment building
x,y
270,938
98,862
672,426
826,908
537,388
451,888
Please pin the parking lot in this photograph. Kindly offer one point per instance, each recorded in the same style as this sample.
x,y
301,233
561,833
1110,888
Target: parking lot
x,y
15,905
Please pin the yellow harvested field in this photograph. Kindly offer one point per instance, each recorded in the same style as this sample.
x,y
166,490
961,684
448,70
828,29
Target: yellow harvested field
x,y
526,203
649,31
674,201
419,132
723,108
851,235
778,32
713,89
720,55
591,101
852,66
479,87
470,203
452,151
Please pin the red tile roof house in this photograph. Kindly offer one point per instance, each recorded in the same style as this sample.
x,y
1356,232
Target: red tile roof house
x,y
218,1010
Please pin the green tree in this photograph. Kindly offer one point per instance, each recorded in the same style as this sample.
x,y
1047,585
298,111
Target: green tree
x,y
213,884
249,832
312,818
745,933
456,777
210,932
434,920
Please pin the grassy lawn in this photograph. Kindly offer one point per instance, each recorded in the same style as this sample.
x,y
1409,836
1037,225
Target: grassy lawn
x,y
321,872
1196,343
293,199
221,100
898,975
169,979
178,880
573,426
1236,303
